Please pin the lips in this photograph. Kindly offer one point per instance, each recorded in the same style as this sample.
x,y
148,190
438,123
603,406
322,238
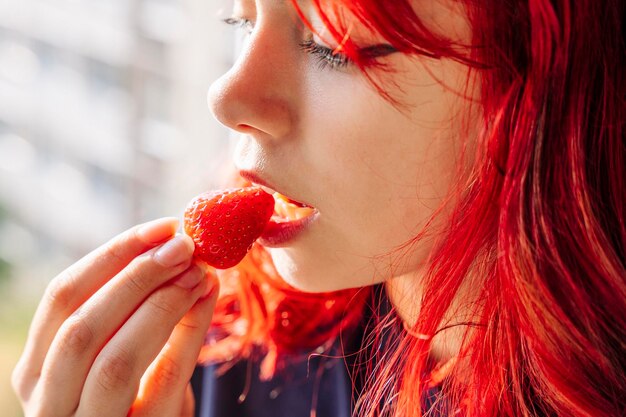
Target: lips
x,y
291,217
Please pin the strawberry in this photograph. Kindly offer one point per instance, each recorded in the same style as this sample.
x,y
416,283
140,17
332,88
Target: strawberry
x,y
224,224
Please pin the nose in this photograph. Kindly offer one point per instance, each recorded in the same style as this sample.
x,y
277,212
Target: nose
x,y
258,95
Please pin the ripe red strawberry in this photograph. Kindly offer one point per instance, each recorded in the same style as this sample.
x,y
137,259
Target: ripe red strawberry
x,y
224,224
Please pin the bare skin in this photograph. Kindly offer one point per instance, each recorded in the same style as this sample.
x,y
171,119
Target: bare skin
x,y
119,330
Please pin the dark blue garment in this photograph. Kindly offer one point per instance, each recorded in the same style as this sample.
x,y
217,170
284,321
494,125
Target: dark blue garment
x,y
292,393
218,396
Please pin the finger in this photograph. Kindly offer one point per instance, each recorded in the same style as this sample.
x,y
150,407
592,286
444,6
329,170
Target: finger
x,y
163,386
83,334
72,287
113,380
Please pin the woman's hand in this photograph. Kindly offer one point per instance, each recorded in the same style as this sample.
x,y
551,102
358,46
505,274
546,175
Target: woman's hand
x,y
118,333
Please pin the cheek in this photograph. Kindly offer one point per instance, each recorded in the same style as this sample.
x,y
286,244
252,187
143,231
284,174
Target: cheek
x,y
380,168
376,195
380,174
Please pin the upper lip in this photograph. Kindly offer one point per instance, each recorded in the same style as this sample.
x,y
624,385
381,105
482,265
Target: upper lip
x,y
257,180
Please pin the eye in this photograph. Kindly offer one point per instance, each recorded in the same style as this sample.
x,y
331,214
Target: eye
x,y
325,55
239,22
337,60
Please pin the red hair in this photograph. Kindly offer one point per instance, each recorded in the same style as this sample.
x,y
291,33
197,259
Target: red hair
x,y
538,227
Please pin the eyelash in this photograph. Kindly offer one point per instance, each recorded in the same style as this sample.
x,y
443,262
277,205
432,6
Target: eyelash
x,y
326,57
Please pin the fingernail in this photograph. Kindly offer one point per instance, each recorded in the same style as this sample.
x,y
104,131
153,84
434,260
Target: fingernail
x,y
175,251
190,278
158,230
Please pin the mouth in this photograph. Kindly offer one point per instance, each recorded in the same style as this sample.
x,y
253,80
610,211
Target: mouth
x,y
291,217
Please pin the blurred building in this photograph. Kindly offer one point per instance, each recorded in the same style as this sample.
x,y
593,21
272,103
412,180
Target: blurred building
x,y
103,121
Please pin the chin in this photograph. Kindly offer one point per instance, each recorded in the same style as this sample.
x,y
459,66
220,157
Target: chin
x,y
299,276
312,274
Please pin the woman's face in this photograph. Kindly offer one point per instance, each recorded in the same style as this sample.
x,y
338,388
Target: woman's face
x,y
323,135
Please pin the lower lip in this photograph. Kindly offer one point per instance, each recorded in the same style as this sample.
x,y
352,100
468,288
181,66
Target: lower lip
x,y
278,234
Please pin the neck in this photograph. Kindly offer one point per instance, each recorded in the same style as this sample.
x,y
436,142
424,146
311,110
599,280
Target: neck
x,y
405,293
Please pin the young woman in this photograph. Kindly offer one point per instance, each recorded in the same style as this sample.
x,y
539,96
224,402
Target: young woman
x,y
465,160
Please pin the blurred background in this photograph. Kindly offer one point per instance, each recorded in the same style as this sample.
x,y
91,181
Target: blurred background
x,y
103,124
